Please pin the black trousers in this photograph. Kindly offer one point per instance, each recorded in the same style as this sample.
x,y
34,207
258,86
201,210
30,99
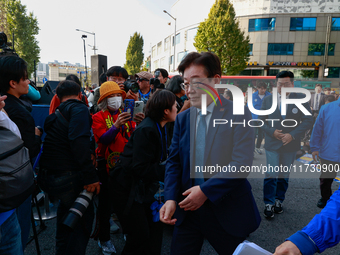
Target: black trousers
x,y
326,178
66,186
143,236
189,236
104,203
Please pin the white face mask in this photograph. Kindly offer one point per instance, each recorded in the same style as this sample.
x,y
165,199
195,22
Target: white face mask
x,y
113,103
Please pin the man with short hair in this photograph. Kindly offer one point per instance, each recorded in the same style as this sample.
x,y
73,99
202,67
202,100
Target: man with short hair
x,y
221,208
143,79
316,101
66,167
281,143
327,91
13,84
258,97
163,76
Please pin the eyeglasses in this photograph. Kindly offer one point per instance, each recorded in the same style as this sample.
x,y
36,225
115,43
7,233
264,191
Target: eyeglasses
x,y
142,79
117,80
193,86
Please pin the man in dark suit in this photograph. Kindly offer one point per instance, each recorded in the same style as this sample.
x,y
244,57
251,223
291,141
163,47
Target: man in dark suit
x,y
282,142
220,208
316,101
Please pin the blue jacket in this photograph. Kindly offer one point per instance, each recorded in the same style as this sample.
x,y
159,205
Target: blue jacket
x,y
231,199
257,102
323,231
326,132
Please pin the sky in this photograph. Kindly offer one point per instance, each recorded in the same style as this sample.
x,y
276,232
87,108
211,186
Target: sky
x,y
113,22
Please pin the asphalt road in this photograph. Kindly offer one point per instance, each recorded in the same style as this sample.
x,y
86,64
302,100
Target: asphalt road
x,y
299,209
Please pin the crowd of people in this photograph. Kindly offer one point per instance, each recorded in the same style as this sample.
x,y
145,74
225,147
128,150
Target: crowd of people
x,y
141,166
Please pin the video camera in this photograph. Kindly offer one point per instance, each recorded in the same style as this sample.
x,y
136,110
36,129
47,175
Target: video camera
x,y
156,82
131,84
4,46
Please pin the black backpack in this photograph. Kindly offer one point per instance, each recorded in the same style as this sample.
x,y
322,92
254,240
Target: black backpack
x,y
16,173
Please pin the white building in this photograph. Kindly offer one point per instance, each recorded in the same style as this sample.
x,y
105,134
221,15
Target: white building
x,y
302,36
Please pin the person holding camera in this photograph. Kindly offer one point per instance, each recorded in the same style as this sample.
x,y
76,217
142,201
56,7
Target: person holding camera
x,y
143,79
112,129
163,76
66,168
14,83
135,179
119,75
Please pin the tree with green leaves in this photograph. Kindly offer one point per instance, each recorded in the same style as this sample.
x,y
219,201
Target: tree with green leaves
x,y
14,19
220,33
134,54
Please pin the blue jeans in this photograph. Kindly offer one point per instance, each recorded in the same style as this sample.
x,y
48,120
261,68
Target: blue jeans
x,y
10,236
24,218
66,186
275,183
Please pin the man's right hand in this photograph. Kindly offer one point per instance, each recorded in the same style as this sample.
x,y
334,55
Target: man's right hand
x,y
2,102
167,211
287,248
37,132
315,155
278,134
93,187
122,119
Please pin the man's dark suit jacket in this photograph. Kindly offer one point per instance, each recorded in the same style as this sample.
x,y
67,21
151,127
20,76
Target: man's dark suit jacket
x,y
305,122
231,199
321,100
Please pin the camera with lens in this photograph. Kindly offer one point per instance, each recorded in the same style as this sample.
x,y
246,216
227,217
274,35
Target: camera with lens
x,y
131,84
4,46
156,82
78,209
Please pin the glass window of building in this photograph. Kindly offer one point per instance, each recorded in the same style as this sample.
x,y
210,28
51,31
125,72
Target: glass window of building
x,y
178,39
336,24
334,72
171,60
163,62
250,49
318,49
155,64
159,48
280,48
191,33
166,43
154,51
181,55
302,24
267,24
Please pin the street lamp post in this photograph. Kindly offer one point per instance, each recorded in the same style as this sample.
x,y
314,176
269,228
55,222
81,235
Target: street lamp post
x,y
174,39
83,37
94,36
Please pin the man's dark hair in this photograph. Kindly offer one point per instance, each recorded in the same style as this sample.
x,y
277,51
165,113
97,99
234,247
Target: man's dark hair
x,y
318,85
330,98
164,72
117,71
73,77
261,84
11,68
230,95
284,74
175,84
158,102
102,78
208,60
67,88
327,89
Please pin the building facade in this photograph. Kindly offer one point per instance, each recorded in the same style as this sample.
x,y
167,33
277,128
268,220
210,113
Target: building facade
x,y
300,36
58,71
